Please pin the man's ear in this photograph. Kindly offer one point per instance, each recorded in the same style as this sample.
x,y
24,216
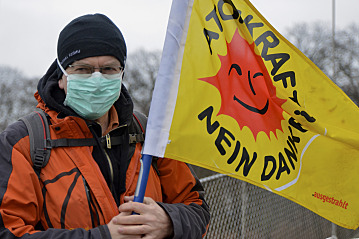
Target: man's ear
x,y
61,83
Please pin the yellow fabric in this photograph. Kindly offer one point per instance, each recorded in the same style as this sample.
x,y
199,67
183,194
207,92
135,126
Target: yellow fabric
x,y
252,106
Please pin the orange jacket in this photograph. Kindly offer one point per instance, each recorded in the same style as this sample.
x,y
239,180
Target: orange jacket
x,y
72,198
59,199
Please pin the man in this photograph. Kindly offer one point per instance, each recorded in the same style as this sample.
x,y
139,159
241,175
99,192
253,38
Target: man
x,y
87,191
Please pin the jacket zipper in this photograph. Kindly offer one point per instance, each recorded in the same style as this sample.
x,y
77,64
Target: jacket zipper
x,y
108,145
89,202
110,164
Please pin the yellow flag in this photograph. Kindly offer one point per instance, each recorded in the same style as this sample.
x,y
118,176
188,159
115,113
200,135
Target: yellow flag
x,y
234,96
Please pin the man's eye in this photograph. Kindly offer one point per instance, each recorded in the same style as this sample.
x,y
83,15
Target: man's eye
x,y
109,68
83,70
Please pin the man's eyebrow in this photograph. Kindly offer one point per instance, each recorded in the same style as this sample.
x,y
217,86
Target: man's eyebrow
x,y
81,63
108,63
112,62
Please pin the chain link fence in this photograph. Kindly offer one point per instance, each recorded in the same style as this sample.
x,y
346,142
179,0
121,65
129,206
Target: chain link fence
x,y
240,210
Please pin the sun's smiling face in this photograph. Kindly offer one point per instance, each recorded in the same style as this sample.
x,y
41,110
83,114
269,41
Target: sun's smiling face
x,y
247,92
251,76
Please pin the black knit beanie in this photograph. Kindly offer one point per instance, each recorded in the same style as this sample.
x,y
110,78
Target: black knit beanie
x,y
88,36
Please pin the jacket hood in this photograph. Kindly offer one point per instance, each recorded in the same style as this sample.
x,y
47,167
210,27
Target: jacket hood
x,y
53,97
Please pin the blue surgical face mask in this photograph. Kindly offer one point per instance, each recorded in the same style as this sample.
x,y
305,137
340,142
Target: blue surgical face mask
x,y
91,96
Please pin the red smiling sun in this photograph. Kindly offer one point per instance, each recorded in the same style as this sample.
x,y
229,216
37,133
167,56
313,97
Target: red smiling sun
x,y
247,92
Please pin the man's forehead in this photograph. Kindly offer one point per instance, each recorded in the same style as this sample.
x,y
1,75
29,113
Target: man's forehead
x,y
100,60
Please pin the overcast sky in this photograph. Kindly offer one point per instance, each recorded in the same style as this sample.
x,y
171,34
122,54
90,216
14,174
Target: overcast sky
x,y
29,28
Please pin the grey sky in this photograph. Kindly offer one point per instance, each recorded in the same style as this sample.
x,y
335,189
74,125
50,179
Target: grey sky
x,y
29,28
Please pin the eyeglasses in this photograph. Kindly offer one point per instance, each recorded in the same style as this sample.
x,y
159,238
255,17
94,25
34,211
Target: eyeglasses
x,y
87,69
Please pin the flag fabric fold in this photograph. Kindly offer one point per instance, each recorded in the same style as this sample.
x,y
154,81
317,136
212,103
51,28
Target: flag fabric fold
x,y
234,96
165,92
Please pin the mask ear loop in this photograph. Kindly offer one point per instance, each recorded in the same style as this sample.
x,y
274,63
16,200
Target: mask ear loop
x,y
122,74
61,68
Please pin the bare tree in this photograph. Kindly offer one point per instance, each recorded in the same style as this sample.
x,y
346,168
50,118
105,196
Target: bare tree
x,y
348,62
315,41
140,75
16,95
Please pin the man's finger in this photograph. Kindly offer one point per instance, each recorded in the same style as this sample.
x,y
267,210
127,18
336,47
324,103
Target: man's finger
x,y
133,229
148,201
133,207
129,220
129,198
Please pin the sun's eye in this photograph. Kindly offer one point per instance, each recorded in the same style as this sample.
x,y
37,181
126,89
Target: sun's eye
x,y
258,74
237,68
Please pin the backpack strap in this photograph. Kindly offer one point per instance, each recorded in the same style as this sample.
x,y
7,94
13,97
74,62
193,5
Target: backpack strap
x,y
65,142
137,135
137,132
38,128
40,140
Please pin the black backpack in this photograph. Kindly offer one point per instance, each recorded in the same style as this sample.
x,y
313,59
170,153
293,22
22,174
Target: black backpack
x,y
41,142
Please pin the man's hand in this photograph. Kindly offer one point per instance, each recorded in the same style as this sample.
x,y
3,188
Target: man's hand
x,y
114,228
151,223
